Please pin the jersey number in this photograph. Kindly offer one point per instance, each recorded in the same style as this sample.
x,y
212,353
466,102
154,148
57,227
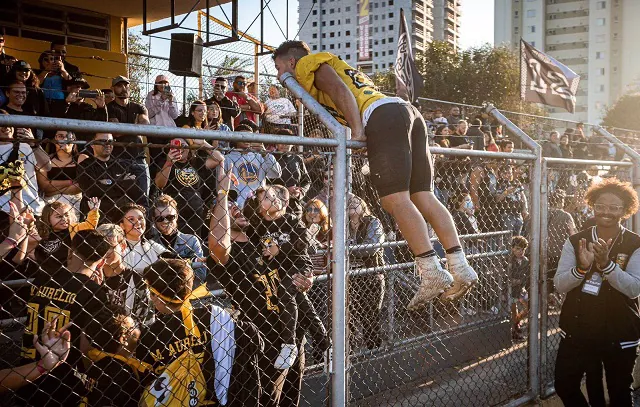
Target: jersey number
x,y
270,281
33,319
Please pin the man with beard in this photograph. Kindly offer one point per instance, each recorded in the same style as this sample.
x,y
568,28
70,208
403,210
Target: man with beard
x,y
255,290
599,270
104,175
123,110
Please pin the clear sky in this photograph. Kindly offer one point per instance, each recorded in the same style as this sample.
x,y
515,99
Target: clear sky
x,y
477,23
476,26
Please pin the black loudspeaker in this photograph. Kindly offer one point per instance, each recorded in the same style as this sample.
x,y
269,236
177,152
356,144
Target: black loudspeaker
x,y
185,58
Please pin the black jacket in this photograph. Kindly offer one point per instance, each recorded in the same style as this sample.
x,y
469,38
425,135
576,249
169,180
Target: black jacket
x,y
612,317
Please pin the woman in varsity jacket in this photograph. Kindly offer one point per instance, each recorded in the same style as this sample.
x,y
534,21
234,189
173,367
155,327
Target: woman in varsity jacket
x,y
599,270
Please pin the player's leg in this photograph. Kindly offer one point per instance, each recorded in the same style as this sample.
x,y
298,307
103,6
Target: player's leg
x,y
421,187
389,151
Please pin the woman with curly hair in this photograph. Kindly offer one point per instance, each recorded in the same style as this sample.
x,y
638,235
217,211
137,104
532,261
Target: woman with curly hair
x,y
599,271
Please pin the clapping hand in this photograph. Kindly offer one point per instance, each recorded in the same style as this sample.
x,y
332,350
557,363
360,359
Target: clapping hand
x,y
53,345
601,252
586,254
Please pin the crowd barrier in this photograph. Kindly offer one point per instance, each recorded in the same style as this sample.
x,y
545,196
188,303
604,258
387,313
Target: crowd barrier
x,y
464,353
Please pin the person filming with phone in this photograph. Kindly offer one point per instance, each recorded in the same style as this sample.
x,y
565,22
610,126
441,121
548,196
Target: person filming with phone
x,y
51,76
75,106
160,103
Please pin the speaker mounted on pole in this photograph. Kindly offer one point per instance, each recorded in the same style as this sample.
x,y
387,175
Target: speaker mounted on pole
x,y
185,58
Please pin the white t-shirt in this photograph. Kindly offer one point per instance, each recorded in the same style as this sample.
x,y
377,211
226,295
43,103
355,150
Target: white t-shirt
x,y
30,192
279,107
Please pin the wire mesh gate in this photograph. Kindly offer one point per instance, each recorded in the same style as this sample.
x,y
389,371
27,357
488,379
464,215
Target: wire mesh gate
x,y
467,353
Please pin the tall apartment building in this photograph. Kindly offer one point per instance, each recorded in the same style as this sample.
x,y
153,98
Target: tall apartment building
x,y
595,38
332,25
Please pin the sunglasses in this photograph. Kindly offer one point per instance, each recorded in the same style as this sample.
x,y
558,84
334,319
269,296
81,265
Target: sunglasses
x,y
168,218
608,208
241,83
313,209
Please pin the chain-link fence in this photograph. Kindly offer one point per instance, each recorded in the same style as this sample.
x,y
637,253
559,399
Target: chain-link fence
x,y
193,266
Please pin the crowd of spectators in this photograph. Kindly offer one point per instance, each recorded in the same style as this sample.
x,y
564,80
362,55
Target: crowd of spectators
x,y
118,236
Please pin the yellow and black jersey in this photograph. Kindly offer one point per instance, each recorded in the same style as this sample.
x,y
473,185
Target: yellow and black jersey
x,y
69,297
258,292
359,83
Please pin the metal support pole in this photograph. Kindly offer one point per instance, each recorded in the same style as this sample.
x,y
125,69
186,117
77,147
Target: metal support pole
x,y
184,95
300,125
534,298
635,157
544,293
339,368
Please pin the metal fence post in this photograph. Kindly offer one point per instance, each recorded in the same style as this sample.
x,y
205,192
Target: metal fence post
x,y
544,292
534,303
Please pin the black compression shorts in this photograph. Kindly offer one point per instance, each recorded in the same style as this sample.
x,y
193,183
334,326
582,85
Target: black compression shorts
x,y
398,150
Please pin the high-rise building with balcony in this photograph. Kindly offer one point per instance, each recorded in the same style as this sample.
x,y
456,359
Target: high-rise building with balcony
x,y
595,38
333,26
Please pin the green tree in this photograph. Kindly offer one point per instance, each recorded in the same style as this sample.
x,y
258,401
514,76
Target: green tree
x,y
231,65
624,113
474,76
138,65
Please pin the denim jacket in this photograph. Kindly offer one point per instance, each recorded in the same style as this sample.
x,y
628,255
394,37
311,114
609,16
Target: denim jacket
x,y
189,247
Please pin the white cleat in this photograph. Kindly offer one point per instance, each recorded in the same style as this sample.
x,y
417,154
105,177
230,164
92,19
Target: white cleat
x,y
434,280
464,277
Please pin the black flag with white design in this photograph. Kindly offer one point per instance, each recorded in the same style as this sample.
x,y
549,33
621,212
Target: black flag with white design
x,y
409,83
545,80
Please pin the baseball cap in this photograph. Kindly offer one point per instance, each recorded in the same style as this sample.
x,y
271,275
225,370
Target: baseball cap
x,y
77,79
21,66
161,78
119,79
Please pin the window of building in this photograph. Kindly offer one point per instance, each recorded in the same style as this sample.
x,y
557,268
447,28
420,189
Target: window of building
x,y
516,14
391,27
600,71
383,16
390,40
332,46
348,8
600,88
339,33
600,55
347,21
375,42
384,54
531,13
324,23
391,2
375,18
348,32
390,52
315,47
390,15
384,66
532,28
48,22
375,54
347,45
601,5
348,56
376,66
324,47
382,29
315,35
601,21
332,35
338,22
324,12
533,44
314,12
384,41
332,22
331,11
324,35
315,24
376,30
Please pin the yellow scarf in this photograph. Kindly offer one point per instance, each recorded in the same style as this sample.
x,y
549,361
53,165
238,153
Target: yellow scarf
x,y
186,309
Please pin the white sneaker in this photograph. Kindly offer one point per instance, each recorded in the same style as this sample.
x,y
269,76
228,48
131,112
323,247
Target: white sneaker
x,y
434,280
464,277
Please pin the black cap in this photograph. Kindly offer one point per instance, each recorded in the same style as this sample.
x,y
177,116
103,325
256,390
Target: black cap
x,y
77,79
21,66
